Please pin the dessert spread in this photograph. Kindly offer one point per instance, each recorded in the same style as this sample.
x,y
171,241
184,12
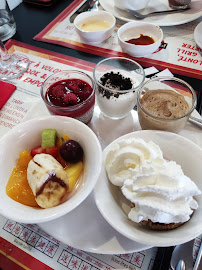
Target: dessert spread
x,y
116,98
164,104
44,175
162,196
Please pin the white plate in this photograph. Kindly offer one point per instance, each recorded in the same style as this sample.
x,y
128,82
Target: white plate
x,y
114,207
108,240
198,35
86,229
156,5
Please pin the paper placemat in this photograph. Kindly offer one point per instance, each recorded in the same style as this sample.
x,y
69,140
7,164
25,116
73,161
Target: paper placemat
x,y
178,52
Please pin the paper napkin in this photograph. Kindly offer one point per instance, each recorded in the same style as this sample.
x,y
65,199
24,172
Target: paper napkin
x,y
6,90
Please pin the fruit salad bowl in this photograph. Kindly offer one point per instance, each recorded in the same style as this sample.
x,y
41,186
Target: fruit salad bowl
x,y
27,136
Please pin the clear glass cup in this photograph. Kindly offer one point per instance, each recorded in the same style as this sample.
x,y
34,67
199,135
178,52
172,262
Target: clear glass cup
x,y
117,95
82,111
168,111
7,22
12,65
179,4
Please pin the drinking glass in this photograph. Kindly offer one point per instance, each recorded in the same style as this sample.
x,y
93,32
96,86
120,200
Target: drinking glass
x,y
117,82
168,112
7,22
11,65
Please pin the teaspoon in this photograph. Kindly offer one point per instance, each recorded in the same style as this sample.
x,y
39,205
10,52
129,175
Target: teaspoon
x,y
142,16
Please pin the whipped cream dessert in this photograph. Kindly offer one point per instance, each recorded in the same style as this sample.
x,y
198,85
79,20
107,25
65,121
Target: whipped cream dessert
x,y
126,158
116,99
158,189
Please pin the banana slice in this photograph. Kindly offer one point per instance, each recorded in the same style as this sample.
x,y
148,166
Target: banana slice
x,y
48,180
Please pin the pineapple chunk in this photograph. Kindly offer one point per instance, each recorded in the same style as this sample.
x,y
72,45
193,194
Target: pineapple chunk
x,y
73,172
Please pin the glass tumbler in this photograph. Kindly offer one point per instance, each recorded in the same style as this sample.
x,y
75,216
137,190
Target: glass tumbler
x,y
83,110
179,4
165,103
7,22
117,82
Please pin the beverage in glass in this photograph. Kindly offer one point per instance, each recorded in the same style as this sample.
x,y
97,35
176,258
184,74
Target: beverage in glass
x,y
7,22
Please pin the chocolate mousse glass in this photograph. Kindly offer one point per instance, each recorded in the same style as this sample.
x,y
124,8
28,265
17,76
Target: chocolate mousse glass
x,y
179,4
165,103
117,82
70,93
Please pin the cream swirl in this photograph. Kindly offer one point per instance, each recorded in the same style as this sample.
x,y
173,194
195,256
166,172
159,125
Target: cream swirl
x,y
126,157
164,195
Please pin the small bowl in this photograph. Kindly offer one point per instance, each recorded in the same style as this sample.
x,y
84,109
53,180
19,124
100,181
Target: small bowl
x,y
27,136
133,5
94,36
82,111
169,119
117,103
133,30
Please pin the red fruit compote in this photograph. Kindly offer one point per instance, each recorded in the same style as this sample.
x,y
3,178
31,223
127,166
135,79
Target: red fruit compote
x,y
70,93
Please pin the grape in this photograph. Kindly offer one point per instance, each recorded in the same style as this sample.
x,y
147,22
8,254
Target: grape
x,y
71,151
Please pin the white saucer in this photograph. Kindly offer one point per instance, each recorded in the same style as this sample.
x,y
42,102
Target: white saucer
x,y
86,229
198,35
157,5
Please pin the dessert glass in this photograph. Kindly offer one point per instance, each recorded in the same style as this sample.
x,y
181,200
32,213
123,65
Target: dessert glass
x,y
149,121
117,103
82,111
179,4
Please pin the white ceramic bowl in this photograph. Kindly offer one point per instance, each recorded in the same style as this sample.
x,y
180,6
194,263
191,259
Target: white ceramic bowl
x,y
94,37
134,29
174,147
131,4
27,136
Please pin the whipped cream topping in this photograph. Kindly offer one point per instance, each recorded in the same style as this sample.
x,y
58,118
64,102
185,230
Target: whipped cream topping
x,y
158,188
126,157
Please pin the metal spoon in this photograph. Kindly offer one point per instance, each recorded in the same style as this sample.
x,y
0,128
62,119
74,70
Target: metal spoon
x,y
180,265
196,121
183,252
142,16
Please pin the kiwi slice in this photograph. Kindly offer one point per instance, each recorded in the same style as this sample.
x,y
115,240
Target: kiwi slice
x,y
48,138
